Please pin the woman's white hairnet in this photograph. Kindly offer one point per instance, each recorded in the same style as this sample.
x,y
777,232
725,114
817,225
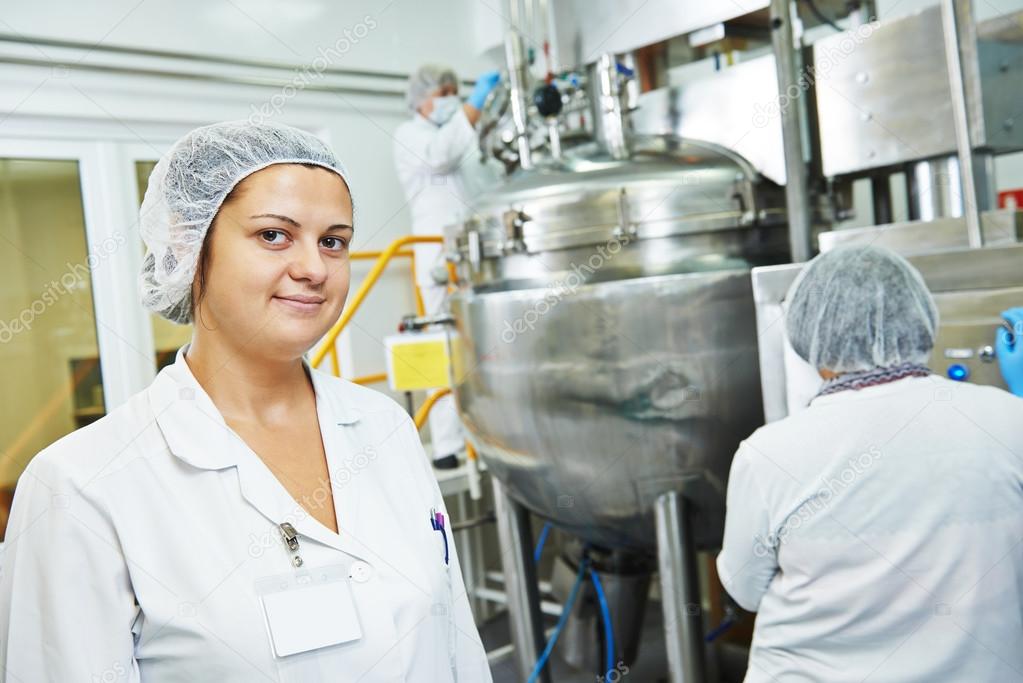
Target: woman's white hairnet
x,y
427,79
858,308
187,188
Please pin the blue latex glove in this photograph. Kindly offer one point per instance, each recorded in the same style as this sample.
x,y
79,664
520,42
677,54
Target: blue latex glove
x,y
1010,350
484,84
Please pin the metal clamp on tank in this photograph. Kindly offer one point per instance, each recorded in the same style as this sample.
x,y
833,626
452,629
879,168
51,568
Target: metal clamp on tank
x,y
474,249
412,323
514,221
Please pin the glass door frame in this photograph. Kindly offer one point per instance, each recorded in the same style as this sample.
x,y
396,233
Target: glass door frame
x,y
123,331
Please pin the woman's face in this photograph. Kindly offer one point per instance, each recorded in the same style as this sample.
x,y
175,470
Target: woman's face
x,y
277,273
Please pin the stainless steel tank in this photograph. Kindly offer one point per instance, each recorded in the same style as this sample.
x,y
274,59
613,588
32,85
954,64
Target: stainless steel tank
x,y
606,346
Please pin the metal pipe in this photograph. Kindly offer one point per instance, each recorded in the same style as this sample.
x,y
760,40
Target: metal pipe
x,y
193,57
797,196
207,78
864,14
680,589
608,110
468,524
959,31
554,138
515,58
499,597
498,577
933,189
515,538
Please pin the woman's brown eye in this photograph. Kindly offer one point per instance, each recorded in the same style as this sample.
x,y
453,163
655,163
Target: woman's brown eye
x,y
271,236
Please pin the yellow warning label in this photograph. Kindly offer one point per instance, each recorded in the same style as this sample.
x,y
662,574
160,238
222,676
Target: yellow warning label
x,y
419,365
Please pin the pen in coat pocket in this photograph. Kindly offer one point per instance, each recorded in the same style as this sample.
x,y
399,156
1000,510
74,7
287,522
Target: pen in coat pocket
x,y
437,523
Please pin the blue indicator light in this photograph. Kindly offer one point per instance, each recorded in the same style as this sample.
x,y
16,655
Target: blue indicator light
x,y
958,372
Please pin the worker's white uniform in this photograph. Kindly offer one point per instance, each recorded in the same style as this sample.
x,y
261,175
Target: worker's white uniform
x,y
136,544
441,172
879,536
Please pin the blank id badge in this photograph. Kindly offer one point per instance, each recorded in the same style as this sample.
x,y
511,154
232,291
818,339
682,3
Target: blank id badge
x,y
310,618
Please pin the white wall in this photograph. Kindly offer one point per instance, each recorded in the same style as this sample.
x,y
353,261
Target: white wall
x,y
407,33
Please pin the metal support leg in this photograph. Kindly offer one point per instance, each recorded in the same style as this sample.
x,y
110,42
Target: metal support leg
x,y
960,33
797,192
680,590
516,539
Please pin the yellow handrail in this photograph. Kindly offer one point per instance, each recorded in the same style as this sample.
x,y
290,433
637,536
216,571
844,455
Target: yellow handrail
x,y
370,255
424,410
371,279
384,257
371,379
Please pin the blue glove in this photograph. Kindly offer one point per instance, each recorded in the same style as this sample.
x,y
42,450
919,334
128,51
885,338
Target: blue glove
x,y
1010,350
484,84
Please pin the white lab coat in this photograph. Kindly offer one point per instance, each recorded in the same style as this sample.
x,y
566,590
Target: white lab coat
x,y
135,543
879,536
440,171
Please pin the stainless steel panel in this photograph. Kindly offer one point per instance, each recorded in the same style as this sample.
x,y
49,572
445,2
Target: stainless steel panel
x,y
735,108
968,323
1001,69
883,95
583,29
1004,226
770,285
589,406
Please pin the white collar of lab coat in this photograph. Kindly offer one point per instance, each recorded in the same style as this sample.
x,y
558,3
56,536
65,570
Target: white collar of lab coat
x,y
179,402
197,434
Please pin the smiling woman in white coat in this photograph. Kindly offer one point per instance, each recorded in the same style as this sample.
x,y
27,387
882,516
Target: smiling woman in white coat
x,y
246,517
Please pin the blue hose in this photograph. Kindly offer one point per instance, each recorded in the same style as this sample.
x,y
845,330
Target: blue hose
x,y
538,553
726,624
566,609
605,613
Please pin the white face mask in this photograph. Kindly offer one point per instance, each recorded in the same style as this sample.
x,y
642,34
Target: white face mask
x,y
444,108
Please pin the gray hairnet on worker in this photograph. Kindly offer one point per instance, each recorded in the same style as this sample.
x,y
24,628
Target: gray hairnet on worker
x,y
876,533
294,513
859,308
425,81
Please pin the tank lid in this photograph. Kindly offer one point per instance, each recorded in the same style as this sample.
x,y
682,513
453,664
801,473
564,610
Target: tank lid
x,y
669,186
